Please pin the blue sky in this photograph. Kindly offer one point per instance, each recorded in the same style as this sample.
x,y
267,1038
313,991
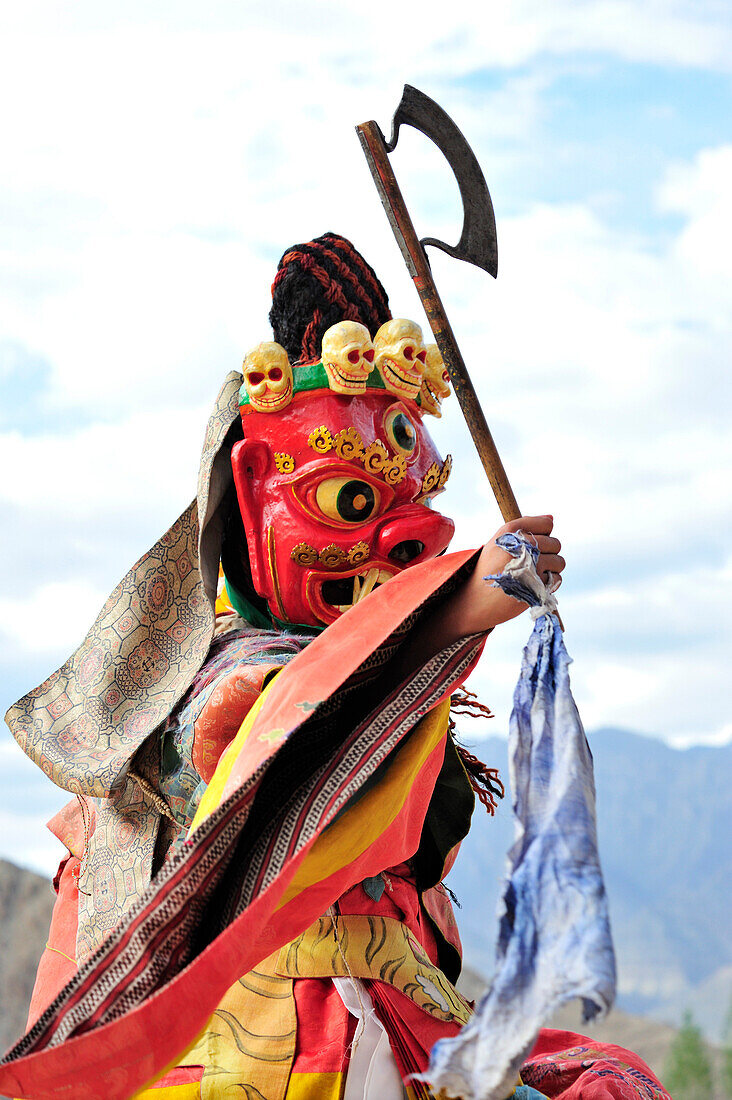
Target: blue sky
x,y
161,157
607,129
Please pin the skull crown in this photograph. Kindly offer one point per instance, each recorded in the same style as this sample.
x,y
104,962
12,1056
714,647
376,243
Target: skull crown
x,y
435,383
267,377
351,363
400,357
348,357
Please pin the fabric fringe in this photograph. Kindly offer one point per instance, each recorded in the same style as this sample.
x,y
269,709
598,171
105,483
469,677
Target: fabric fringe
x,y
465,701
485,781
244,644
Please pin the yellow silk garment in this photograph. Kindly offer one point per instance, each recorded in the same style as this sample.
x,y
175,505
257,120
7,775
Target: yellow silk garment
x,y
249,1043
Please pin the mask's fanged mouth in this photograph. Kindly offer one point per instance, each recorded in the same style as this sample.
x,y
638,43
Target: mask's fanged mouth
x,y
344,592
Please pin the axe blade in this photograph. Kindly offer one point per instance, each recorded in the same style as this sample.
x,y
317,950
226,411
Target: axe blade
x,y
480,250
478,242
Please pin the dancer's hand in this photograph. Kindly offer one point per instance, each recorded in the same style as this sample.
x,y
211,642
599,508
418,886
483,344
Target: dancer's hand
x,y
479,605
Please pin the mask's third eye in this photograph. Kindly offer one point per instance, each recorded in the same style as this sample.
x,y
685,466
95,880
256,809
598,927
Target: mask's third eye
x,y
400,431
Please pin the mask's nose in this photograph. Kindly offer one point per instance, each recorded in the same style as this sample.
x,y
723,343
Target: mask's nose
x,y
412,534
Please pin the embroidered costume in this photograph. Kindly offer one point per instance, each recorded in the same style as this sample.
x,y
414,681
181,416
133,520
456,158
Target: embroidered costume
x,y
267,792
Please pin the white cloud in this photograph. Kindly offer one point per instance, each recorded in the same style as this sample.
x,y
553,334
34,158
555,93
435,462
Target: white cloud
x,y
626,414
699,190
51,619
346,39
29,801
672,696
151,199
27,843
148,459
651,654
586,377
601,363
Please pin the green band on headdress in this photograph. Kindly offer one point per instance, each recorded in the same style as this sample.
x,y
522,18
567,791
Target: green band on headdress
x,y
314,377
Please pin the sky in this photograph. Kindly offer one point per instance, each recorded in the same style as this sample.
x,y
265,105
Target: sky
x,y
159,158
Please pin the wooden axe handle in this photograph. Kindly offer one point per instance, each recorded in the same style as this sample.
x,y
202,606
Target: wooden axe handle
x,y
418,266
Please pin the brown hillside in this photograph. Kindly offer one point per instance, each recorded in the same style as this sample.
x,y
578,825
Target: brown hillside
x,y
648,1038
26,901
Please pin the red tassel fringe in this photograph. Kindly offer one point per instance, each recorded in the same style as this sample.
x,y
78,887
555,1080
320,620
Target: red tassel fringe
x,y
485,781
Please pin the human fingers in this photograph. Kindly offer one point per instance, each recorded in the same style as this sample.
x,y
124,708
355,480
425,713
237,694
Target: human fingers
x,y
550,563
547,544
534,525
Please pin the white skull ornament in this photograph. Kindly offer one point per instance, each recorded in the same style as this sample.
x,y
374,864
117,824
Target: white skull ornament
x,y
436,382
400,356
348,357
268,377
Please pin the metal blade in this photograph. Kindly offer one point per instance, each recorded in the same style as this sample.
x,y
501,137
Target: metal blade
x,y
478,242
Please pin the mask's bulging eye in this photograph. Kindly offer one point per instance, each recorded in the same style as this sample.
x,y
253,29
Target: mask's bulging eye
x,y
347,499
400,431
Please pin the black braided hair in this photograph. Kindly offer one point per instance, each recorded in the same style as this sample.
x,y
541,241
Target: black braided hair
x,y
318,284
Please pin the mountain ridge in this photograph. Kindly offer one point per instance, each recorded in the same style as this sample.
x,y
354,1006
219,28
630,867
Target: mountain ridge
x,y
662,812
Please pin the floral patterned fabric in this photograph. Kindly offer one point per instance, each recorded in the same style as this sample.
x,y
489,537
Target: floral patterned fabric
x,y
567,1066
84,724
239,664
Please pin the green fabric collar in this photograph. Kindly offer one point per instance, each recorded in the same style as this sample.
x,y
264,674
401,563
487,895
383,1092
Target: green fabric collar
x,y
261,619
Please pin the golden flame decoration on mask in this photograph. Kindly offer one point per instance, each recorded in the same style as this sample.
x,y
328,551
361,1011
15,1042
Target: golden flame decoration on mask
x,y
349,446
395,470
359,553
320,440
304,554
285,463
445,472
332,556
375,457
431,478
435,478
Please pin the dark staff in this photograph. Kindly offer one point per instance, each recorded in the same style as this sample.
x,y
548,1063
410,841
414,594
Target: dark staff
x,y
477,245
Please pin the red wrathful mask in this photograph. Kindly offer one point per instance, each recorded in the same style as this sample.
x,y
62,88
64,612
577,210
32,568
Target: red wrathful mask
x,y
336,471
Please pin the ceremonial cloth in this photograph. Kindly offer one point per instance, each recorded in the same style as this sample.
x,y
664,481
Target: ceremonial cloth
x,y
554,941
336,720
567,1066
